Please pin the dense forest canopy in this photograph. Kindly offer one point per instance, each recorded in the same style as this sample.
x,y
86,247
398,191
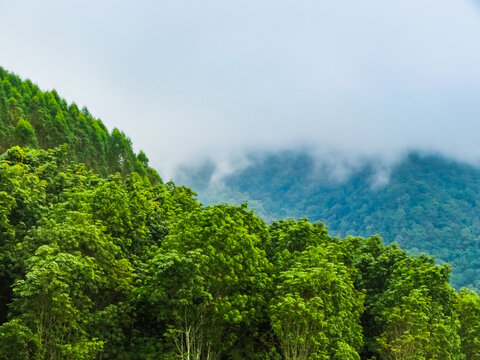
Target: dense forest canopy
x,y
37,119
426,203
102,260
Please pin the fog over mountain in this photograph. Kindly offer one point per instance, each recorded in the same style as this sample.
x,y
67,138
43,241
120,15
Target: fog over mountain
x,y
188,80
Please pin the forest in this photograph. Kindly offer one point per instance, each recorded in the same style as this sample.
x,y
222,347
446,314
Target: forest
x,y
100,259
427,203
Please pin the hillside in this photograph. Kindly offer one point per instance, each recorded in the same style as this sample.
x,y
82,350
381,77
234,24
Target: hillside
x,y
94,268
42,119
101,262
429,204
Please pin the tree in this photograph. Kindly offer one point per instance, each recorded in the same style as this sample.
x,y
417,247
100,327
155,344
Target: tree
x,y
25,134
295,235
208,281
418,313
316,310
46,306
407,333
374,264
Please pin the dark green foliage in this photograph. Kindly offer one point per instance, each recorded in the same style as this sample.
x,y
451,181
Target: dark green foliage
x,y
417,312
375,264
24,134
33,118
209,280
316,309
429,203
68,243
122,267
468,310
116,268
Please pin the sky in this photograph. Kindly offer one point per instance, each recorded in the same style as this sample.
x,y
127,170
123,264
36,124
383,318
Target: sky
x,y
220,78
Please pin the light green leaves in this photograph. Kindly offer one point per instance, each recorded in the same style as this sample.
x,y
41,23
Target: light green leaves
x,y
316,311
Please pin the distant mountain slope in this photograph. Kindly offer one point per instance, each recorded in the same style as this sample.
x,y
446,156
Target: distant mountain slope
x,y
430,204
41,119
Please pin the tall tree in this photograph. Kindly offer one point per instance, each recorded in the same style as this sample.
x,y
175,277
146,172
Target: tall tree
x,y
418,313
208,281
316,310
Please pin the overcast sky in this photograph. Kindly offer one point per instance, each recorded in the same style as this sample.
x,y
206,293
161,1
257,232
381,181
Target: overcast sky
x,y
190,78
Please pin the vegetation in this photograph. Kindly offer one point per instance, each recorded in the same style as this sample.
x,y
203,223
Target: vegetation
x,y
429,203
36,119
123,266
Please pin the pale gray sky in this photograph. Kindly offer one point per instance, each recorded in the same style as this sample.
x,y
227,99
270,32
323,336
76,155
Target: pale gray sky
x,y
186,79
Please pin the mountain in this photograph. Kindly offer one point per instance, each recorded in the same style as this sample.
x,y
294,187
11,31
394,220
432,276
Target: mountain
x,y
99,259
425,203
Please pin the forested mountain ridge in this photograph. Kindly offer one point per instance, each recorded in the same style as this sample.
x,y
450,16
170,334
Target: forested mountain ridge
x,y
117,266
42,119
427,203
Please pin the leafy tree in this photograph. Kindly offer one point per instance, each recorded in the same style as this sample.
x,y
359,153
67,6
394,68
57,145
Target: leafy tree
x,y
295,235
25,134
316,310
375,264
46,304
208,281
418,313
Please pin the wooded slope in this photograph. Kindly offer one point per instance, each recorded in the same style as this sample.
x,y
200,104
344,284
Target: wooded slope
x,y
122,267
428,203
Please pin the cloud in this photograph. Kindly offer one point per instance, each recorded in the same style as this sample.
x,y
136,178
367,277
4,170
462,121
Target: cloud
x,y
189,79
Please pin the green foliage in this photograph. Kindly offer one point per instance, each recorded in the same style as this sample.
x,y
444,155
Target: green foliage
x,y
426,203
418,313
118,268
32,118
468,310
208,280
48,302
25,134
295,236
65,264
316,310
118,265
